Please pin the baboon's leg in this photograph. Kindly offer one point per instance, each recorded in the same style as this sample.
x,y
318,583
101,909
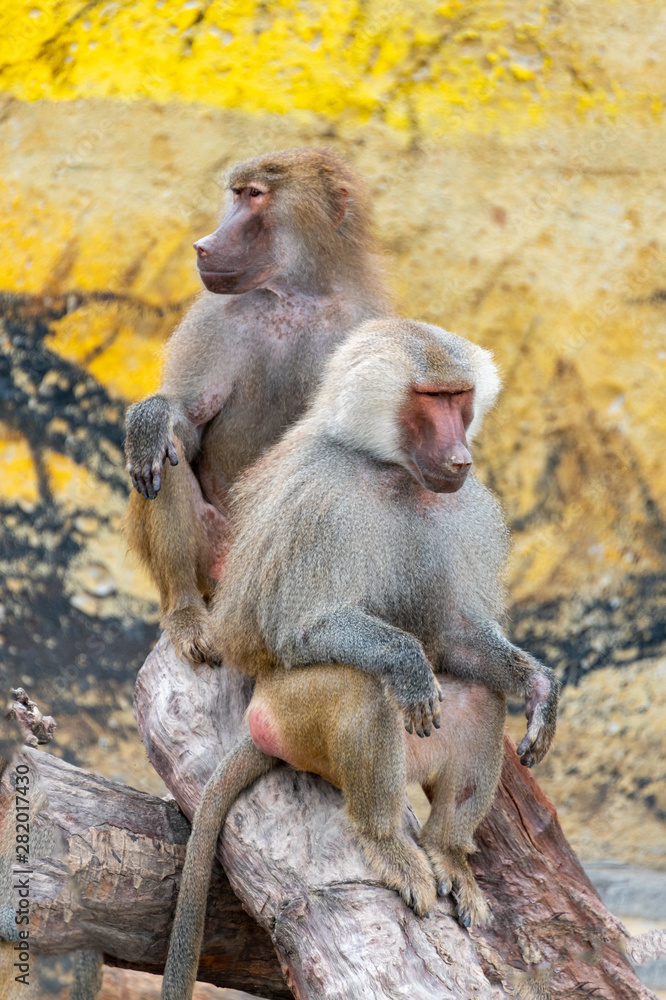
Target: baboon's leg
x,y
371,764
181,538
447,839
461,791
338,722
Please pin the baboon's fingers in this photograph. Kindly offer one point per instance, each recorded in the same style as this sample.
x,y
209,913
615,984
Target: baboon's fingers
x,y
426,710
135,476
422,717
536,743
156,480
419,722
147,481
526,751
171,454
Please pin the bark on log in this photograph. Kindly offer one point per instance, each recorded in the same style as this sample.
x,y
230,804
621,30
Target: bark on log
x,y
289,856
105,865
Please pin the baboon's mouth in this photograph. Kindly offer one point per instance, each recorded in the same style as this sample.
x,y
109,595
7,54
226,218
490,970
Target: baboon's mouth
x,y
444,483
209,273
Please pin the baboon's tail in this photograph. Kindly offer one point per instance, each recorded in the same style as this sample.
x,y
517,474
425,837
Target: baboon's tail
x,y
239,769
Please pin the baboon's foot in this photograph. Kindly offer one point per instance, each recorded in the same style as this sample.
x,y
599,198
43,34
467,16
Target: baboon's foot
x,y
187,628
442,868
471,905
400,865
454,875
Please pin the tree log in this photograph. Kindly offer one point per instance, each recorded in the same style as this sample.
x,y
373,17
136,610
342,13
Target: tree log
x,y
289,855
105,865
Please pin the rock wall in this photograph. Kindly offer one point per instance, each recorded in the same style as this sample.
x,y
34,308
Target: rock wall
x,y
515,155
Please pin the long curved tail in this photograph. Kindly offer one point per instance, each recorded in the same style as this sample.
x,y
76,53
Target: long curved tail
x,y
239,769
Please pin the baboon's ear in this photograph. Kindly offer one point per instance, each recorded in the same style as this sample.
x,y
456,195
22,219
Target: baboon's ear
x,y
343,195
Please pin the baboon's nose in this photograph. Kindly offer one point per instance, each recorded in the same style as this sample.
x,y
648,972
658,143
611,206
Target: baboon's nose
x,y
459,462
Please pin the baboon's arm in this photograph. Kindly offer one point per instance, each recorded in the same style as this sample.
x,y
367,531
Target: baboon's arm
x,y
351,635
480,652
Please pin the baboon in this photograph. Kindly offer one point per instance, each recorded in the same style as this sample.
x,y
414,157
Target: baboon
x,y
365,557
289,272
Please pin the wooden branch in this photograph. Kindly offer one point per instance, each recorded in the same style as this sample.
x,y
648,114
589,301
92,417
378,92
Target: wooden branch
x,y
290,857
548,916
106,862
35,728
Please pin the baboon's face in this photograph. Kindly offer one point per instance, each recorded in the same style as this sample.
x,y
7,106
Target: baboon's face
x,y
433,423
241,254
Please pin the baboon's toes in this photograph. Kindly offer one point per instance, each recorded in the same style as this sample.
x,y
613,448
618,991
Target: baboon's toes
x,y
191,651
187,631
444,887
420,896
441,868
472,908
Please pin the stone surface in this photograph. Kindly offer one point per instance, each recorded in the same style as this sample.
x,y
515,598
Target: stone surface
x,y
607,768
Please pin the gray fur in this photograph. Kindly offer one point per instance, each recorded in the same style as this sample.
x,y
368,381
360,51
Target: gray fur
x,y
340,556
348,581
239,370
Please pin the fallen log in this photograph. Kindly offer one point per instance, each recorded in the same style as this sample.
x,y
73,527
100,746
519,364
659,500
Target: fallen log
x,y
104,870
290,857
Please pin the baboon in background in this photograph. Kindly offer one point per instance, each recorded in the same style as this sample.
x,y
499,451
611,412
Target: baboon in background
x,y
365,557
289,272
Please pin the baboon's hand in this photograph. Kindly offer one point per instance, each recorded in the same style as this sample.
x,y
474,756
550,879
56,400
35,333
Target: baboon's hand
x,y
541,714
419,700
148,444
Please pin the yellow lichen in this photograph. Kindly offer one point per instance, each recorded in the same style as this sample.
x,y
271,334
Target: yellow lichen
x,y
127,362
342,58
75,488
18,476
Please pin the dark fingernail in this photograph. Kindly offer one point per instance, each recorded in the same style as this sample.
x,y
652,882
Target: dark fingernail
x,y
437,723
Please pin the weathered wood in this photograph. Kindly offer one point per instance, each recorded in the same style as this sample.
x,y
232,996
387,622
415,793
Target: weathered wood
x,y
34,727
290,857
126,984
548,915
106,862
